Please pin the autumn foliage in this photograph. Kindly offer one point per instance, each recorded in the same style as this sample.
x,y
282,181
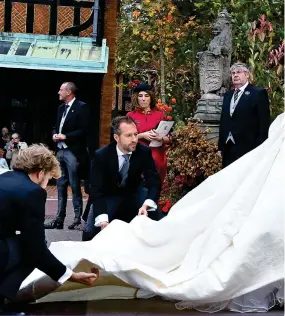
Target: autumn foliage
x,y
191,159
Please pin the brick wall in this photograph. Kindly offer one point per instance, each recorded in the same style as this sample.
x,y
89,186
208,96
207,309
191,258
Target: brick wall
x,y
107,96
19,17
41,18
2,4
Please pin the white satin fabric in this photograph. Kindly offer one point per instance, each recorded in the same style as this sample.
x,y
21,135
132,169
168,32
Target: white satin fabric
x,y
221,246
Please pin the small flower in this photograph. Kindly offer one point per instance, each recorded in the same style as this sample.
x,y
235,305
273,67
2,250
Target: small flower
x,y
136,13
169,118
173,101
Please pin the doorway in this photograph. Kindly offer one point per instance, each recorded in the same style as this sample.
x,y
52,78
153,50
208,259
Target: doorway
x,y
29,102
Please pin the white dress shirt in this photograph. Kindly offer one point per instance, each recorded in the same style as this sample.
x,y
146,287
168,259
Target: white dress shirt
x,y
66,276
150,203
63,144
233,106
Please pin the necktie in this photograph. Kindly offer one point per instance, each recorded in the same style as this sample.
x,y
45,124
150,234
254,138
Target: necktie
x,y
236,95
124,170
233,106
65,109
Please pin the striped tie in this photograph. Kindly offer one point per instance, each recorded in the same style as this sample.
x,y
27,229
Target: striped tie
x,y
124,170
236,95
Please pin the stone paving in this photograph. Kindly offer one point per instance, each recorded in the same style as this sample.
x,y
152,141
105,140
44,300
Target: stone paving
x,y
61,234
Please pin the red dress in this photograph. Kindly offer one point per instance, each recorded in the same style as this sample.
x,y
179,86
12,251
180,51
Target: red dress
x,y
146,122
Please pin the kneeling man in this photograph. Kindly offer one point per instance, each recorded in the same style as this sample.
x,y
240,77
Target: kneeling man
x,y
118,172
22,209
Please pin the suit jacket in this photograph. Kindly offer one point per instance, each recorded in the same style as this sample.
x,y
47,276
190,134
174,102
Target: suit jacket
x,y
250,121
22,208
104,176
75,128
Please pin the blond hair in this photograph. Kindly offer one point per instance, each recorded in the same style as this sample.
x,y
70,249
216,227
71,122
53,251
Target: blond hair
x,y
35,158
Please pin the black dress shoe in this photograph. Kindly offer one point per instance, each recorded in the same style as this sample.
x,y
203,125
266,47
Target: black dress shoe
x,y
76,223
54,225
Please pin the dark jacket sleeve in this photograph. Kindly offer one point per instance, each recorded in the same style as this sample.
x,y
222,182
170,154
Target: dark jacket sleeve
x,y
82,124
35,251
97,185
221,127
152,179
264,116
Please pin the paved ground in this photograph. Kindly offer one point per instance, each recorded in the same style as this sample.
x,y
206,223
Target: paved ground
x,y
151,307
61,234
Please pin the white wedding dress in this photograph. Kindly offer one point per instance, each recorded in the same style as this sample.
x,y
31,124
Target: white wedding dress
x,y
220,247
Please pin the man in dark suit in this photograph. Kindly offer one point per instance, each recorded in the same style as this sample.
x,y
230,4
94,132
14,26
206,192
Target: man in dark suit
x,y
245,117
70,137
22,209
116,179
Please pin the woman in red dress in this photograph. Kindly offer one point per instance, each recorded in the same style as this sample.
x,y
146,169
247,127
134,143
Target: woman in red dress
x,y
148,118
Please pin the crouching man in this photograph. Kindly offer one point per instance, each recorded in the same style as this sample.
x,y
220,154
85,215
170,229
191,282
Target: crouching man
x,y
22,208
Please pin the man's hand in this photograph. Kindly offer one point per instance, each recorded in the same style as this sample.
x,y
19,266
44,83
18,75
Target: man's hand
x,y
84,277
143,210
61,137
103,225
54,138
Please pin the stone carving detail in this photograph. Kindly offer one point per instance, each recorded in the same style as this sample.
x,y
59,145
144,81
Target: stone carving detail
x,y
214,70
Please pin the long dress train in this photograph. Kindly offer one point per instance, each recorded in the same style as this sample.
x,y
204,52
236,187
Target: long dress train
x,y
220,247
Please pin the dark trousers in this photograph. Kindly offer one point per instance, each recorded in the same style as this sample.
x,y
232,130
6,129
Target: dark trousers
x,y
15,271
231,153
69,175
124,208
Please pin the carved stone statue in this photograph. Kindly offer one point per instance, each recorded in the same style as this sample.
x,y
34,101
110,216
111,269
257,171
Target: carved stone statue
x,y
214,71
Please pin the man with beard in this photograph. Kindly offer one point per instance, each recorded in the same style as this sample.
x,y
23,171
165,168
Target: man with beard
x,y
117,172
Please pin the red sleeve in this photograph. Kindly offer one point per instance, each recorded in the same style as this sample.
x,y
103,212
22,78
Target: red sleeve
x,y
163,117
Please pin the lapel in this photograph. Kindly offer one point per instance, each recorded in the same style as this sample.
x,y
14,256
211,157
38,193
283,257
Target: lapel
x,y
244,98
70,112
114,161
60,112
134,161
228,101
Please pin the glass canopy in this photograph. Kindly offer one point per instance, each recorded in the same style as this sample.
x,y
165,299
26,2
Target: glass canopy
x,y
62,53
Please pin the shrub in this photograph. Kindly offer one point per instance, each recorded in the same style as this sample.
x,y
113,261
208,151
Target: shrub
x,y
191,159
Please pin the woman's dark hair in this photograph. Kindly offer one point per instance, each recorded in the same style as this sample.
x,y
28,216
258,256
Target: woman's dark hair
x,y
135,103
